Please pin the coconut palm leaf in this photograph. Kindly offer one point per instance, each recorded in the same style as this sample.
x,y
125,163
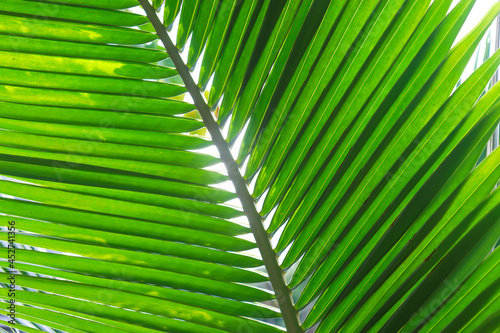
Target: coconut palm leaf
x,y
360,199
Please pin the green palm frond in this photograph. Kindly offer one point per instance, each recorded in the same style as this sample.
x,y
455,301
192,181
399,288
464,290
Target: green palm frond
x,y
366,203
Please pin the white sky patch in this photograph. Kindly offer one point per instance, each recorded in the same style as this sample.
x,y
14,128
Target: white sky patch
x,y
477,13
479,10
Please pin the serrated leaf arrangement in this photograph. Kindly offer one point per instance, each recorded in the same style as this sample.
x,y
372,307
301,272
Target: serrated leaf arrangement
x,y
248,166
